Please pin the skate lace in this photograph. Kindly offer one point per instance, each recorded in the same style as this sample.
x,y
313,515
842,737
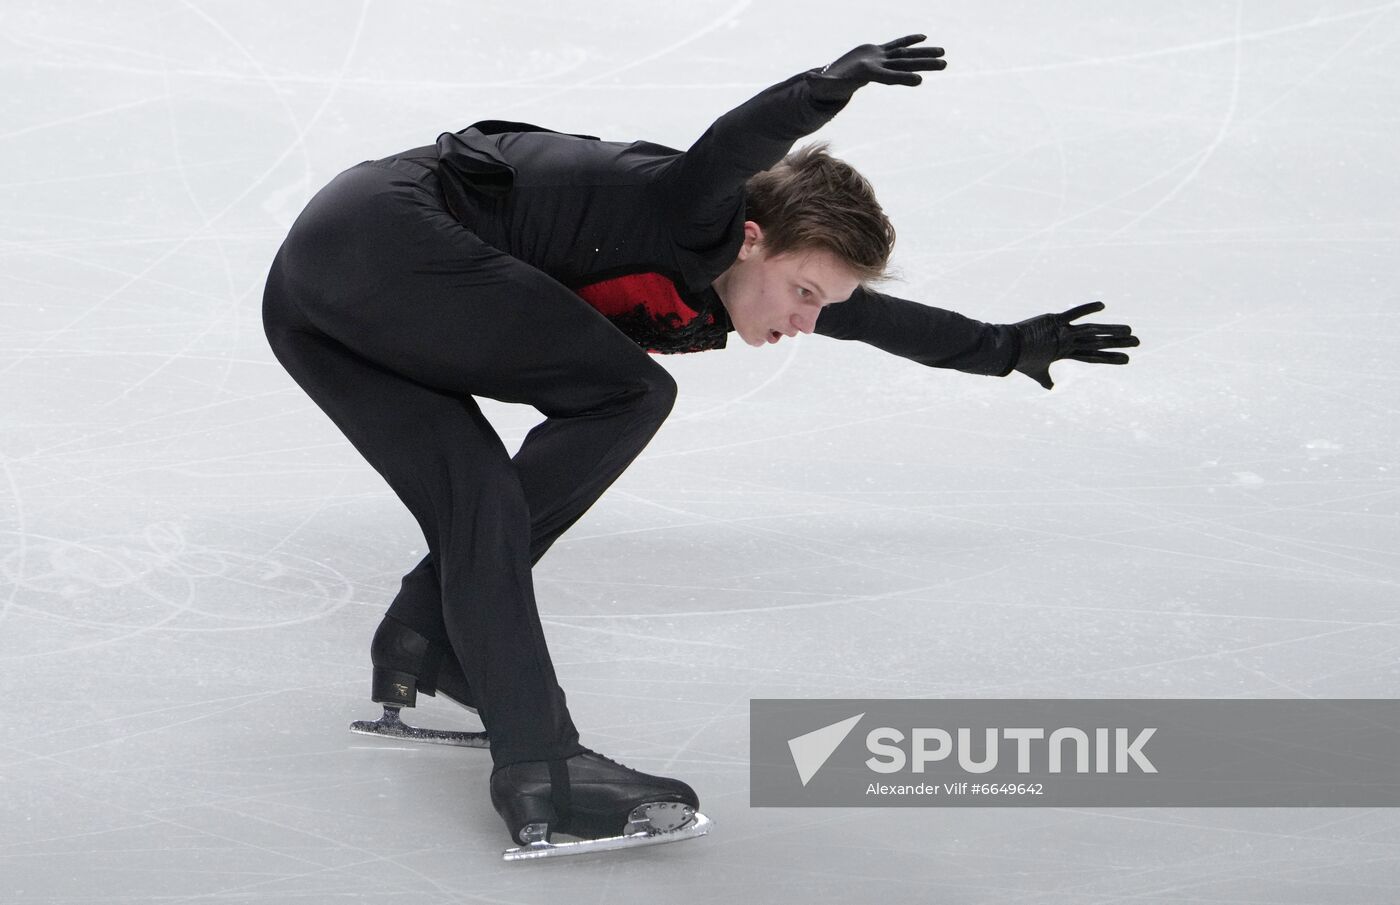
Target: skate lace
x,y
608,759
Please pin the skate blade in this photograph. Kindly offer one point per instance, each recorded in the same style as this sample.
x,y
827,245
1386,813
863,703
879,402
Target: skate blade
x,y
390,726
645,827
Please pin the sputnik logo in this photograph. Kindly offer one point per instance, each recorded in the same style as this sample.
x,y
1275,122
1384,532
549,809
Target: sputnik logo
x,y
810,751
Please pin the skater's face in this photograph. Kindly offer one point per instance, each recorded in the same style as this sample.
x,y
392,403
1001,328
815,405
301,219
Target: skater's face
x,y
769,298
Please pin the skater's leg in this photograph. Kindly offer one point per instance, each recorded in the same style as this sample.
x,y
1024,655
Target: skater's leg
x,y
411,650
555,501
429,300
420,297
418,603
450,469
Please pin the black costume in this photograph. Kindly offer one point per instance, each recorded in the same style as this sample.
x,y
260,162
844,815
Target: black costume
x,y
530,266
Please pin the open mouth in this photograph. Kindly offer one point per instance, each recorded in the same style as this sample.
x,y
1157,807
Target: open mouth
x,y
774,336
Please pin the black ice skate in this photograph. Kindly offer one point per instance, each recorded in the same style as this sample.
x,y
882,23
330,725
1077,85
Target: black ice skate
x,y
607,805
406,663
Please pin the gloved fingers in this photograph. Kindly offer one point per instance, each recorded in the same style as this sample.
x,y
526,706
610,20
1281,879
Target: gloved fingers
x,y
1101,329
929,63
889,77
906,41
915,53
1081,310
1114,342
1084,343
1101,358
901,57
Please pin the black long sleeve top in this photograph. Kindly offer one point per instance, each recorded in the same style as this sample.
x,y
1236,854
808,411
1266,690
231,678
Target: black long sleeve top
x,y
641,230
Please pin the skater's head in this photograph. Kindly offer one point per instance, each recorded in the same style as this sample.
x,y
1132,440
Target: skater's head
x,y
810,200
814,234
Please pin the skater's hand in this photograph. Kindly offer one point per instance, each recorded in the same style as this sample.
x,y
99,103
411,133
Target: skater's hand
x,y
895,63
1051,337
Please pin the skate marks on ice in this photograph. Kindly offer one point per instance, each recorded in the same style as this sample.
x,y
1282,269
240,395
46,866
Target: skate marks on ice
x,y
87,587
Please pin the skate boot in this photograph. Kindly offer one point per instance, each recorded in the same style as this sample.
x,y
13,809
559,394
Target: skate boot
x,y
607,805
406,663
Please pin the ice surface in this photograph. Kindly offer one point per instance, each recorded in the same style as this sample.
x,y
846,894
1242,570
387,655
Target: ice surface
x,y
194,558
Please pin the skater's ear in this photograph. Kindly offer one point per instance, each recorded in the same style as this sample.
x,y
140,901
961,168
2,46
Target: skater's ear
x,y
753,240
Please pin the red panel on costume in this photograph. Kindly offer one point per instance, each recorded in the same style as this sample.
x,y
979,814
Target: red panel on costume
x,y
622,295
649,309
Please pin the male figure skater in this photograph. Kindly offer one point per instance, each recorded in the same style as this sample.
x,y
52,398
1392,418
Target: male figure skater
x,y
520,264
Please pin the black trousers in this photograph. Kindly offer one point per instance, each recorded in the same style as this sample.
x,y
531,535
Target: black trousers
x,y
392,315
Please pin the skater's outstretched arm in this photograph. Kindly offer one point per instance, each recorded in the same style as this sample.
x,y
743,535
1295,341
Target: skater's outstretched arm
x,y
703,187
945,339
931,336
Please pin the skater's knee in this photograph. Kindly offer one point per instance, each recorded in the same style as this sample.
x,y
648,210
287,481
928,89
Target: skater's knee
x,y
649,396
659,391
644,393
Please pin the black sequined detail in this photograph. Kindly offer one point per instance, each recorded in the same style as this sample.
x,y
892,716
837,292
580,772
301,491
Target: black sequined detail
x,y
650,309
666,334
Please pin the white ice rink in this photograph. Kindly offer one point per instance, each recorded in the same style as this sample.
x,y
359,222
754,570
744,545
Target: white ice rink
x,y
194,558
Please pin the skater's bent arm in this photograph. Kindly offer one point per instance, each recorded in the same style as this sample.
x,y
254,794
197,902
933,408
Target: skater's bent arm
x,y
922,333
702,188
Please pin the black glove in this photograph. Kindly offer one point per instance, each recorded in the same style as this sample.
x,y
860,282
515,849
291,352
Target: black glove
x,y
1051,337
895,63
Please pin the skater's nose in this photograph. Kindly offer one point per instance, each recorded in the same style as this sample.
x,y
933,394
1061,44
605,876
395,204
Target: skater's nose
x,y
804,322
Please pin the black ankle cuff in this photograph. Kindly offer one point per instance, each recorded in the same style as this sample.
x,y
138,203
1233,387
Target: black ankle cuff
x,y
561,794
